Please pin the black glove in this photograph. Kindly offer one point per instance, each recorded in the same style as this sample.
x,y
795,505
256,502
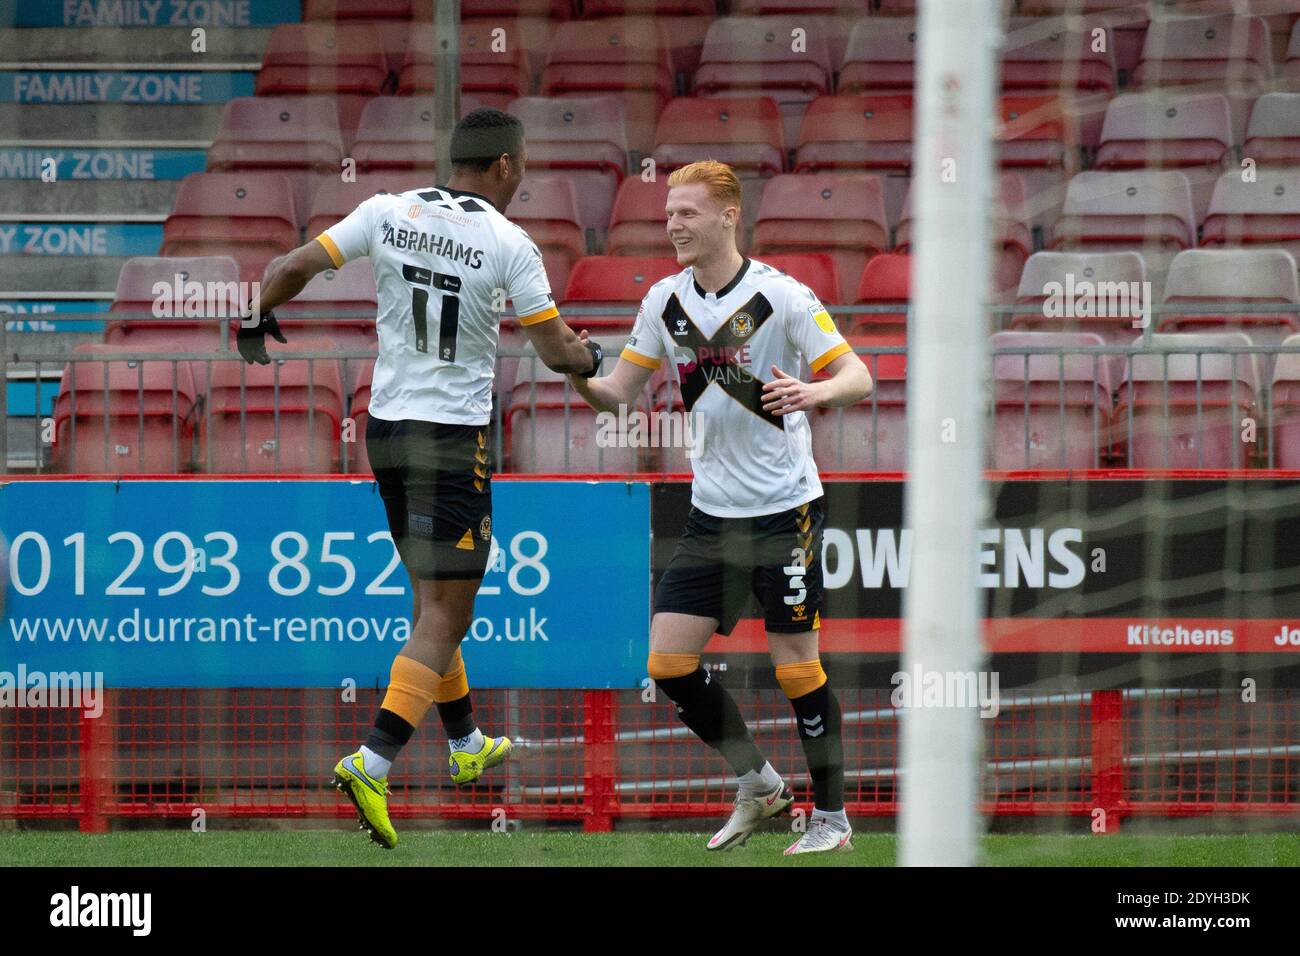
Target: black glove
x,y
251,340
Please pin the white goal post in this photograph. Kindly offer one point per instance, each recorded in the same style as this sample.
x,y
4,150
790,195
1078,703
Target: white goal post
x,y
939,821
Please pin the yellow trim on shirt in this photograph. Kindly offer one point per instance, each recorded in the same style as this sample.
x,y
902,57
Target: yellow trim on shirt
x,y
332,249
636,358
830,356
549,312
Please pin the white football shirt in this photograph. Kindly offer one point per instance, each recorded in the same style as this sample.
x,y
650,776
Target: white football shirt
x,y
746,462
445,261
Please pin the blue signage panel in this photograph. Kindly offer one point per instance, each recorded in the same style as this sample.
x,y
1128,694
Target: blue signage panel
x,y
113,86
31,315
80,238
57,164
148,13
297,584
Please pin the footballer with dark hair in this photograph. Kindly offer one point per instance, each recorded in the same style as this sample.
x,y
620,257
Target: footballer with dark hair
x,y
441,257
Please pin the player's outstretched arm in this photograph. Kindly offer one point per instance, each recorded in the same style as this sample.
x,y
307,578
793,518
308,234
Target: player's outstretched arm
x,y
849,382
285,278
559,347
620,387
289,274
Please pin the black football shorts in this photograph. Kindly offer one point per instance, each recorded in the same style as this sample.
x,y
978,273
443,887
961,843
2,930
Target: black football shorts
x,y
720,562
436,483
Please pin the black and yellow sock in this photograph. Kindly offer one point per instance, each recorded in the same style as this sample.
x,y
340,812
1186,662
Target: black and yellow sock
x,y
452,699
411,689
704,706
817,715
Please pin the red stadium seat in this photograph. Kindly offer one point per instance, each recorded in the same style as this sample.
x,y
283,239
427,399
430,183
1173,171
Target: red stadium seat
x,y
1148,211
1038,138
753,56
625,57
546,207
744,132
551,9
1165,129
771,7
656,8
213,290
1228,277
297,136
841,214
638,224
872,434
685,23
816,270
1083,291
335,199
614,281
1273,134
1012,233
880,58
397,132
310,402
545,437
886,280
1183,409
1040,58
325,57
357,9
350,289
1265,212
1052,410
248,216
856,132
344,61
123,417
586,140
1222,51
390,17
494,65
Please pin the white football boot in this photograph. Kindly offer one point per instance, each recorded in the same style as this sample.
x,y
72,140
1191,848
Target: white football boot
x,y
823,835
748,813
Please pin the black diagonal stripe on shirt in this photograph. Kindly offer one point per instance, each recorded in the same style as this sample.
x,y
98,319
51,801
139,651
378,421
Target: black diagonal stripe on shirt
x,y
749,393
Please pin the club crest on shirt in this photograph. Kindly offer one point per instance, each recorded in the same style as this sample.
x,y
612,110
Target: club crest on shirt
x,y
742,323
485,528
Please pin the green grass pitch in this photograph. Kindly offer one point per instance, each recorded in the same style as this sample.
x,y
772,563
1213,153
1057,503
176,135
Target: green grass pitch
x,y
566,848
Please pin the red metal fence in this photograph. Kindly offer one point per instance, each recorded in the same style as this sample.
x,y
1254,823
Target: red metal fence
x,y
597,756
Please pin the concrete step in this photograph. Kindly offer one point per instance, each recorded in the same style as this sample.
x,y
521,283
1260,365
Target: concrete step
x,y
60,273
171,45
88,198
44,343
86,124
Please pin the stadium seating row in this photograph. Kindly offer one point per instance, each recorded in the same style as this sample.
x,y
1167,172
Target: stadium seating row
x,y
585,139
1101,292
253,216
1180,405
792,58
